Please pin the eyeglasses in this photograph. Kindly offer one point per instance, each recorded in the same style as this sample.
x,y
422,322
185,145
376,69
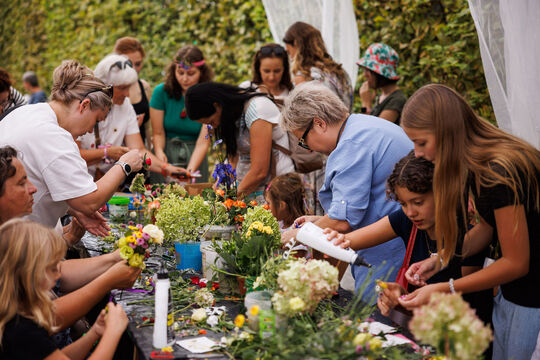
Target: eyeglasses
x,y
269,50
302,141
122,64
107,90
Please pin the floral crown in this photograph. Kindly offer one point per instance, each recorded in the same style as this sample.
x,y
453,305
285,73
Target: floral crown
x,y
186,64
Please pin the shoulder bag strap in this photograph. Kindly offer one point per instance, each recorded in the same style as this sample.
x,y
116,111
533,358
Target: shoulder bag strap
x,y
404,267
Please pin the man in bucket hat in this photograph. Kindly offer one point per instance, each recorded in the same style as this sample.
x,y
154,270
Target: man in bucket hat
x,y
380,69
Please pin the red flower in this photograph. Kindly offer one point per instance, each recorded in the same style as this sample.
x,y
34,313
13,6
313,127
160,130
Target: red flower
x,y
202,332
215,285
148,161
202,284
183,114
253,203
195,280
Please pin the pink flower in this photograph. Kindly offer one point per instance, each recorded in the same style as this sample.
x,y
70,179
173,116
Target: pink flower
x,y
133,245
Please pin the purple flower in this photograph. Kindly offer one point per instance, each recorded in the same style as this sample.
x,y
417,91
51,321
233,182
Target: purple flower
x,y
133,245
139,226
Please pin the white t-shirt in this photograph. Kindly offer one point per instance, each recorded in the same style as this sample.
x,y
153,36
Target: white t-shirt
x,y
120,121
51,158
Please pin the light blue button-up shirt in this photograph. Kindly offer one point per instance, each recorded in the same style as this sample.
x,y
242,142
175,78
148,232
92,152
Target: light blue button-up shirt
x,y
355,189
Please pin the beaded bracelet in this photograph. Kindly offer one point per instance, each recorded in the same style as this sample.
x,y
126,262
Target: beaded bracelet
x,y
451,285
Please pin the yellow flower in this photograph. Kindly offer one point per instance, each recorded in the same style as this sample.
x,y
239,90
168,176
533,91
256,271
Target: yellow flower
x,y
131,239
382,284
362,338
126,252
297,304
167,349
133,228
122,242
375,343
254,311
268,230
136,260
248,234
170,319
138,234
239,320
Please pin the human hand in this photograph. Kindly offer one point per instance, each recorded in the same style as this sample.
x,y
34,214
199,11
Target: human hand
x,y
337,238
161,155
176,171
288,235
134,159
121,275
99,325
388,298
418,273
367,95
116,152
421,296
96,224
73,232
116,320
304,219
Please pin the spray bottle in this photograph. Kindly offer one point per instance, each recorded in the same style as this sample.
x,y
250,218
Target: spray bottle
x,y
163,332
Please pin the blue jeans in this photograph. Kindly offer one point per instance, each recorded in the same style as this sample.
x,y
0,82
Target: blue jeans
x,y
516,329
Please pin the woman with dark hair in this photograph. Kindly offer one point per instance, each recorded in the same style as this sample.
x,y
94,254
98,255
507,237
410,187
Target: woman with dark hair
x,y
177,138
271,73
380,69
248,123
9,96
311,61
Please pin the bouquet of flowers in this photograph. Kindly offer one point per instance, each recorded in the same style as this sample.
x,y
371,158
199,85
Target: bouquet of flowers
x,y
303,284
451,326
262,214
182,219
135,242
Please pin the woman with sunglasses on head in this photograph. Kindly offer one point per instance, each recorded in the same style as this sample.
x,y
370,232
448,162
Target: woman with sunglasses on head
x,y
271,73
177,138
140,92
120,132
44,134
311,61
248,123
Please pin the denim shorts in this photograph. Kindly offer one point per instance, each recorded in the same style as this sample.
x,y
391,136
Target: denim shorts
x,y
516,329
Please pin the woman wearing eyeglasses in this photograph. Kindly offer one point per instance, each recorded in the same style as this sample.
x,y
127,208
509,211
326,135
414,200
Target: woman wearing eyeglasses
x,y
248,123
177,138
362,151
271,73
44,134
120,132
311,61
140,92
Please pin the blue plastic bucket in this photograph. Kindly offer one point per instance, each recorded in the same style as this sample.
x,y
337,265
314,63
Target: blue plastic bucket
x,y
188,256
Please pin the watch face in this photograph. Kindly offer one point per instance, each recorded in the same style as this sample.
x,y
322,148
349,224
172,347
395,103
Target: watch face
x,y
127,167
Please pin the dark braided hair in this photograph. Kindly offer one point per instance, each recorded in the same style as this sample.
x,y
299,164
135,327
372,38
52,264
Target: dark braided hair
x,y
413,173
7,170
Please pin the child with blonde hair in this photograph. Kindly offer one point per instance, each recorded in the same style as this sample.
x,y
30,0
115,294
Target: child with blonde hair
x,y
30,256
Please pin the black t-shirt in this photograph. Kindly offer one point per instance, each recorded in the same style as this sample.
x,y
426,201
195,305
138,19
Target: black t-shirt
x,y
24,339
395,101
524,291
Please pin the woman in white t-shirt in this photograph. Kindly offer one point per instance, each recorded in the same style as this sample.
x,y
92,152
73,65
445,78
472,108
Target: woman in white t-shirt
x,y
120,131
271,73
44,134
248,123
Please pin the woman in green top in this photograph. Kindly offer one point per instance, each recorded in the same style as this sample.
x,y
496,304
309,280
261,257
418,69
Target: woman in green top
x,y
178,139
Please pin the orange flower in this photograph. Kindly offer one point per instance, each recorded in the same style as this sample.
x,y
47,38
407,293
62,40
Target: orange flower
x,y
253,203
154,204
228,203
202,332
266,207
220,192
239,218
240,204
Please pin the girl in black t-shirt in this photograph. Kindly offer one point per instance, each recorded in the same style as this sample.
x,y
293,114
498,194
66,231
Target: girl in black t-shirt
x,y
411,185
502,172
30,256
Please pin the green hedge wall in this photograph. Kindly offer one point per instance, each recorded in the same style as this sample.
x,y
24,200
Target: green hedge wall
x,y
436,39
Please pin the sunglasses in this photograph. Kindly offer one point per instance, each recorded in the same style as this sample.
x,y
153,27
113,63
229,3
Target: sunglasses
x,y
302,141
269,50
107,90
122,64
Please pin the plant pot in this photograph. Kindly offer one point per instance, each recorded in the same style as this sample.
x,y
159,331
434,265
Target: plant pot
x,y
245,284
223,232
210,258
188,256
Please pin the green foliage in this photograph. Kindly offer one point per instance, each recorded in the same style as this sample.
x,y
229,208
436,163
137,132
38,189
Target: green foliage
x,y
258,213
436,39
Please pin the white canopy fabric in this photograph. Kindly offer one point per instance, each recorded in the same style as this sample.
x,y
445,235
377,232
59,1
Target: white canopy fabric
x,y
509,37
334,18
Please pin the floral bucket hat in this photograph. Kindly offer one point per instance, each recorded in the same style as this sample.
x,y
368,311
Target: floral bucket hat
x,y
382,59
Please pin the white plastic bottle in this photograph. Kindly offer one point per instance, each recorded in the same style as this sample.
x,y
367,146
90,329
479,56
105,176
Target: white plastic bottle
x,y
163,334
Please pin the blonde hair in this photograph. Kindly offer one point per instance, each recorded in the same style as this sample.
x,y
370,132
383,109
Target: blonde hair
x,y
72,81
468,145
26,250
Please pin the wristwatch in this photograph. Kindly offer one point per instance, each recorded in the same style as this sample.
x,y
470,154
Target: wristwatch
x,y
125,166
